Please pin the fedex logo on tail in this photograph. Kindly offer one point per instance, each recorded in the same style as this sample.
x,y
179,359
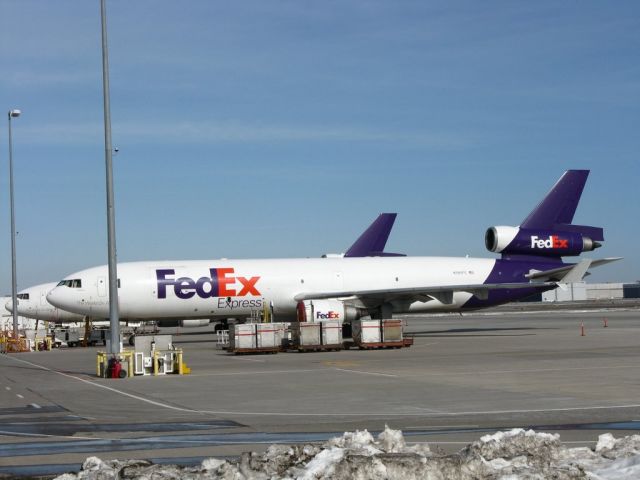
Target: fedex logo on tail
x,y
553,241
221,282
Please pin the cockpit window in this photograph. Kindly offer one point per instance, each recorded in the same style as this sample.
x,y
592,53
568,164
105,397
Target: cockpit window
x,y
23,296
75,283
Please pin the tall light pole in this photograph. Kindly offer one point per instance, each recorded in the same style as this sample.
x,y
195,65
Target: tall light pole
x,y
14,282
114,316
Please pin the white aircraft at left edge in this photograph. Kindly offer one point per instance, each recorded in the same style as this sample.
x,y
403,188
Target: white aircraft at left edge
x,y
32,303
349,288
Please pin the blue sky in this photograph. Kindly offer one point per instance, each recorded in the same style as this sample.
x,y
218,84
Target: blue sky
x,y
281,129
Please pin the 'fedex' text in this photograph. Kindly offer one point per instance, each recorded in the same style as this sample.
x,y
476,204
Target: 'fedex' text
x,y
553,241
221,282
330,315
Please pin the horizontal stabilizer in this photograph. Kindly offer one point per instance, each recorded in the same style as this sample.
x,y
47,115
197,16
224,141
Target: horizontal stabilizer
x,y
558,274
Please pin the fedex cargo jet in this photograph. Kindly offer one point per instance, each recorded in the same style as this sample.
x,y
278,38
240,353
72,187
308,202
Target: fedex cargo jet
x,y
33,303
347,288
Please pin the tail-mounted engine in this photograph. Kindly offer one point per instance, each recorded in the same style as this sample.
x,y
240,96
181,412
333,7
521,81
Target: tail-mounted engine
x,y
556,243
323,310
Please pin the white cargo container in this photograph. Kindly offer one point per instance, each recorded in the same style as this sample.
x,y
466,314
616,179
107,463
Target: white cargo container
x,y
392,331
306,334
270,335
242,336
366,331
331,333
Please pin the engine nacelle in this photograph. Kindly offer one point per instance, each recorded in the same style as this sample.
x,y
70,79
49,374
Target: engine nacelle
x,y
514,240
323,310
187,323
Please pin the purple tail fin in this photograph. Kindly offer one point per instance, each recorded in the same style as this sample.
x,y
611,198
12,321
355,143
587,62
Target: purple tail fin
x,y
557,208
373,240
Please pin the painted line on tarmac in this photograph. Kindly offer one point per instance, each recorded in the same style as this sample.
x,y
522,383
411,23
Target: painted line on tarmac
x,y
11,433
130,395
248,359
364,373
533,370
256,372
329,414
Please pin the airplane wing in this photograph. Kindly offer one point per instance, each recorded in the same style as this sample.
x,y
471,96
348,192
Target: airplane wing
x,y
444,293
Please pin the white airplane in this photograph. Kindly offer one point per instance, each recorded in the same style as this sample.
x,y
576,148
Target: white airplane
x,y
6,319
349,288
33,303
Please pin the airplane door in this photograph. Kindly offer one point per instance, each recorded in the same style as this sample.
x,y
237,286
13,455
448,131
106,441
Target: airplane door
x,y
102,286
43,298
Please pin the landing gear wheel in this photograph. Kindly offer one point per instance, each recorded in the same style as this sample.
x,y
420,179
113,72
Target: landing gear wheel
x,y
221,326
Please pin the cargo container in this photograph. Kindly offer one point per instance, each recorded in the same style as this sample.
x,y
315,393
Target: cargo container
x,y
242,336
392,331
331,334
379,334
306,335
365,331
256,337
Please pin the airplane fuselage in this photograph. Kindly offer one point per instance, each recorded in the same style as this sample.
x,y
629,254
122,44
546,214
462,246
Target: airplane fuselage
x,y
235,288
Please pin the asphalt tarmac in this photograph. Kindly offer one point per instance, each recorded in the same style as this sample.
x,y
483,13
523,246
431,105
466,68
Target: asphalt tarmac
x,y
465,376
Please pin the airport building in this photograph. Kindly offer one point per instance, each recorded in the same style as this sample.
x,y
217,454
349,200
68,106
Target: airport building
x,y
581,291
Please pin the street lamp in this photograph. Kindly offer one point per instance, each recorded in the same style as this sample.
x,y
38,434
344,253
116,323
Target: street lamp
x,y
13,114
114,314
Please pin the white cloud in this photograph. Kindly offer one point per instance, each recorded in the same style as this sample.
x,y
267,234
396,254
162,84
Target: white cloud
x,y
234,132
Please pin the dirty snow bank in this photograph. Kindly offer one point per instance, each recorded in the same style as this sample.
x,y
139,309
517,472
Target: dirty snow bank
x,y
516,454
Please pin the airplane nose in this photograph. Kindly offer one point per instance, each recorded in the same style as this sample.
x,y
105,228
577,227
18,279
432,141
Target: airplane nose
x,y
56,298
9,305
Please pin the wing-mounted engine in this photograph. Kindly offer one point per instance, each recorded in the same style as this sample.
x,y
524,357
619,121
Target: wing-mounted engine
x,y
547,243
331,309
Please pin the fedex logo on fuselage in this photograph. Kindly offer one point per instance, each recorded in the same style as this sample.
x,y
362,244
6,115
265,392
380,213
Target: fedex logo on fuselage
x,y
221,282
553,241
330,315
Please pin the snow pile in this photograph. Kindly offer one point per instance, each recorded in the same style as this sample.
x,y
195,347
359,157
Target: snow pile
x,y
516,454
